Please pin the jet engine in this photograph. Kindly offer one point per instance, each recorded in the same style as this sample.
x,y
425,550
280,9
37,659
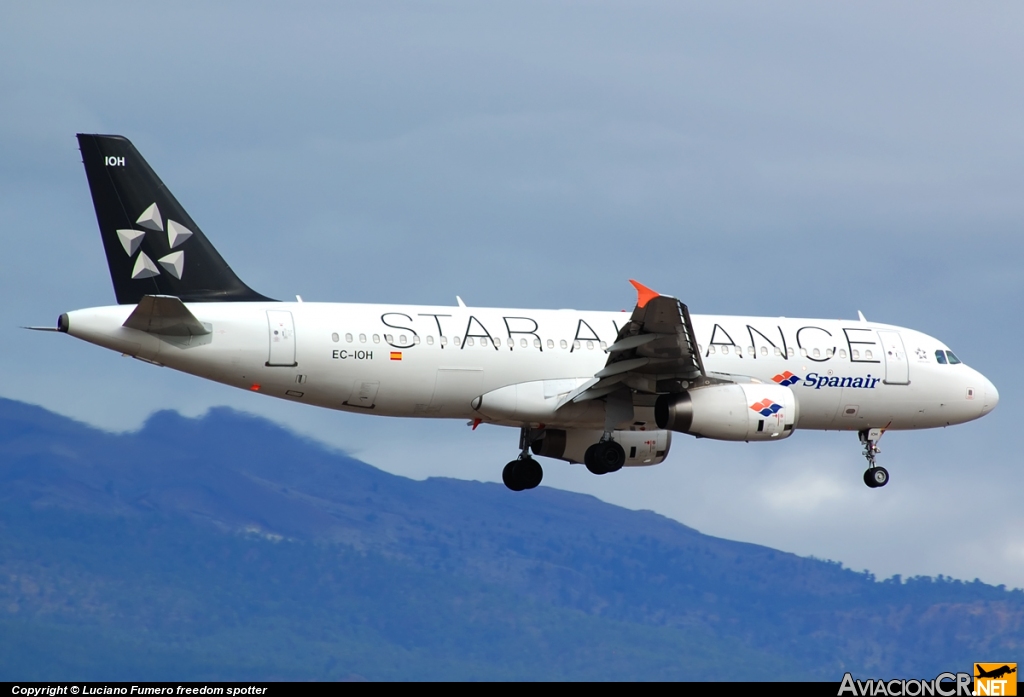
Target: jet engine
x,y
746,411
642,447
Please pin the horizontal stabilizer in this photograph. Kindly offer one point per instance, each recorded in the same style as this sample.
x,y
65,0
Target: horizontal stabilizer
x,y
164,314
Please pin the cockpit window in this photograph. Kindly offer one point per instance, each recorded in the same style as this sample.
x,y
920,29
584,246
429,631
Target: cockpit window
x,y
953,360
940,356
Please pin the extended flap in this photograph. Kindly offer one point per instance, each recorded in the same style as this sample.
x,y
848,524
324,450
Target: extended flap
x,y
164,314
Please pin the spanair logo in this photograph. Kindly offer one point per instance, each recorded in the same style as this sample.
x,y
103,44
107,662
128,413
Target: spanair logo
x,y
131,240
786,379
766,407
995,679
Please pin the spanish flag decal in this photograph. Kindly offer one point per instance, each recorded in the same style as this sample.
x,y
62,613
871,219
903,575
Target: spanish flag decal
x,y
396,355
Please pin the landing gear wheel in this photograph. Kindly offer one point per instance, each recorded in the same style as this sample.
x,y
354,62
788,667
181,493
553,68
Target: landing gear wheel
x,y
508,475
607,456
520,475
590,459
876,477
613,456
529,472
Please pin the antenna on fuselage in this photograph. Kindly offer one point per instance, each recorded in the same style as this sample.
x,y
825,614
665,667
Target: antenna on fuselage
x,y
861,315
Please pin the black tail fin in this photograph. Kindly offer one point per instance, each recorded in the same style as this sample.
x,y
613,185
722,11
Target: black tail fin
x,y
153,247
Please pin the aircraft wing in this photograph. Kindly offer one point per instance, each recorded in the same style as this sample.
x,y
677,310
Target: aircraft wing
x,y
654,353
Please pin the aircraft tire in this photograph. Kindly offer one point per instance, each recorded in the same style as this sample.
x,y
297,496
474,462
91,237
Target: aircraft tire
x,y
510,476
529,472
590,459
613,456
876,477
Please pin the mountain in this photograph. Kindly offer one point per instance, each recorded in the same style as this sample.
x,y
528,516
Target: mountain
x,y
226,547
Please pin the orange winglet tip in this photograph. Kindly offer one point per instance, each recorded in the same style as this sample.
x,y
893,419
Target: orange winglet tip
x,y
476,422
643,294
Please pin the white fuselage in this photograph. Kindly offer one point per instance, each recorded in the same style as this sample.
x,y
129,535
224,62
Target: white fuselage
x,y
421,361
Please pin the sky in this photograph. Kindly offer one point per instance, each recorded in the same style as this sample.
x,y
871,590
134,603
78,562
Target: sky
x,y
799,159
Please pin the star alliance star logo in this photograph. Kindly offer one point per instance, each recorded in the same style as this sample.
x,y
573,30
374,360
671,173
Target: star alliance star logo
x,y
131,240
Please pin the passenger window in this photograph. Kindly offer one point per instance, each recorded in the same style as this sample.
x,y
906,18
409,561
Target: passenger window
x,y
551,344
803,352
790,351
469,341
430,339
348,338
711,350
829,353
750,350
388,338
402,339
456,341
842,353
590,345
415,340
536,343
778,351
362,338
953,360
867,354
335,338
522,343
604,345
376,338
940,356
816,353
483,341
563,343
444,341
856,354
725,350
764,350
575,345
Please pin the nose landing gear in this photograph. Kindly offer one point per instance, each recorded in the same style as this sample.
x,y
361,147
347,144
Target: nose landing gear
x,y
874,476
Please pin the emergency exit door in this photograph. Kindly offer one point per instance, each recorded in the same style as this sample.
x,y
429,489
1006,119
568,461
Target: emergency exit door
x,y
282,339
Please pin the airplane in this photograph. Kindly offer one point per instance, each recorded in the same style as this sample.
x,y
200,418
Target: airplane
x,y
995,673
603,389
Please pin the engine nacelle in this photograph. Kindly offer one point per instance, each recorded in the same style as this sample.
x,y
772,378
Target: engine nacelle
x,y
747,411
642,447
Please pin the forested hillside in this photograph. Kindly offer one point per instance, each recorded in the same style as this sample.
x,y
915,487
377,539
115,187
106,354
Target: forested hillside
x,y
226,547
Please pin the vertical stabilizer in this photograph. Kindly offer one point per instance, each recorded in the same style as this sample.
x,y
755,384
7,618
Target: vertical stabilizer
x,y
153,246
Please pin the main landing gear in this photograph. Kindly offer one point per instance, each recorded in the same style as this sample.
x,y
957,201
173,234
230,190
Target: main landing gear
x,y
604,457
874,476
524,472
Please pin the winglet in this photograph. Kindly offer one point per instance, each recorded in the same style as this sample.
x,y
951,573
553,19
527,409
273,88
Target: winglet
x,y
643,294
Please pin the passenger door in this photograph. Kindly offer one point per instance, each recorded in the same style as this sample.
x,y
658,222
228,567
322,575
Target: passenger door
x,y
897,367
282,339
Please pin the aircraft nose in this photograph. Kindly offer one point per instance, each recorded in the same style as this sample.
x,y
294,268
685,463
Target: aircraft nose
x,y
991,397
